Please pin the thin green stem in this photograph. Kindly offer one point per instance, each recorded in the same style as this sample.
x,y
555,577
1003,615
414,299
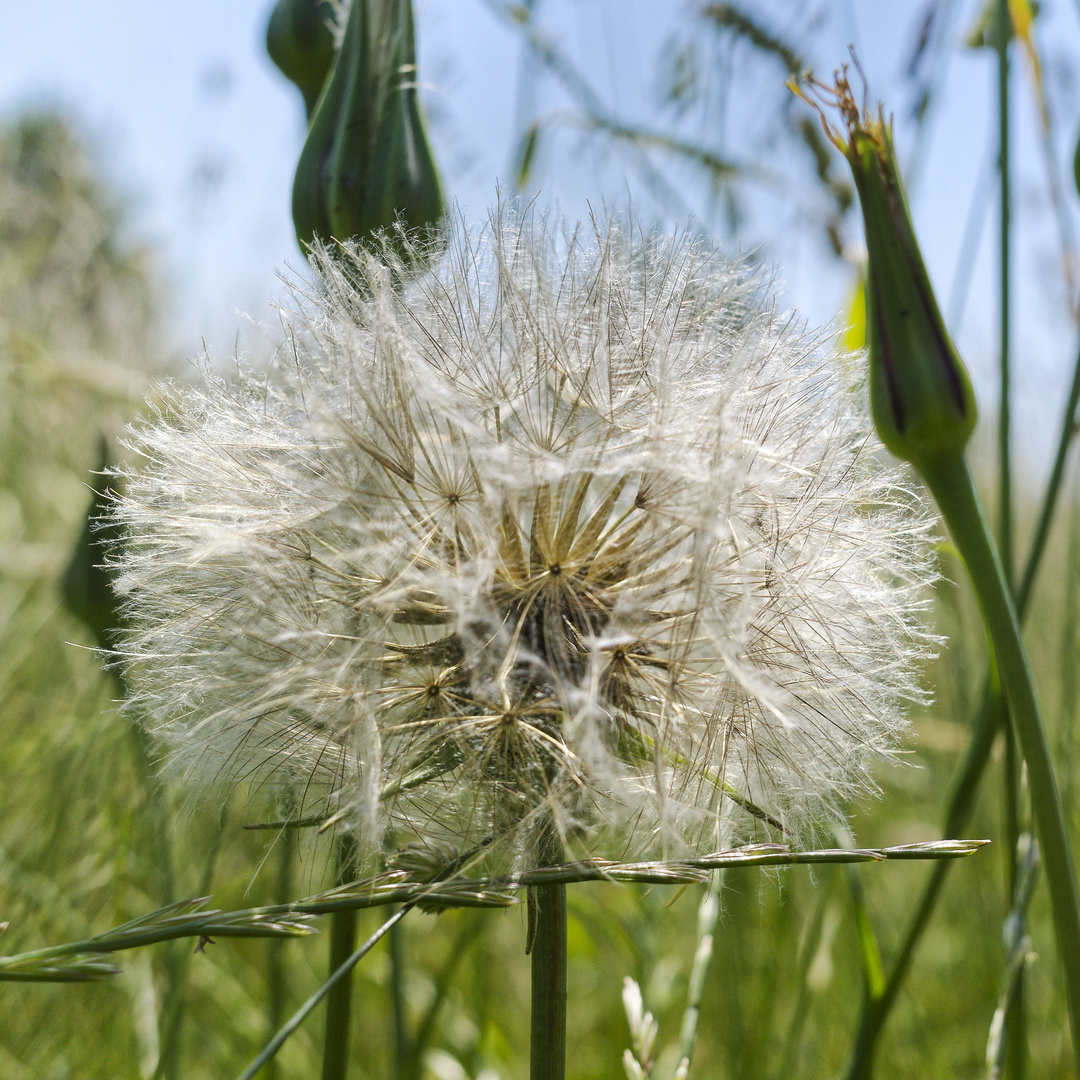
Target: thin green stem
x,y
339,1000
989,719
951,484
547,1033
345,970
174,962
458,951
172,1020
547,1044
793,1035
402,1054
275,969
301,1014
1014,1037
1013,1031
1005,522
1053,488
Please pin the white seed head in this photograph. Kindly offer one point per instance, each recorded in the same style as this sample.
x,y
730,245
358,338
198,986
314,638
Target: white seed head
x,y
567,531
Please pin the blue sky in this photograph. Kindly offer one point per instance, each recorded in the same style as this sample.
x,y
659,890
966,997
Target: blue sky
x,y
201,134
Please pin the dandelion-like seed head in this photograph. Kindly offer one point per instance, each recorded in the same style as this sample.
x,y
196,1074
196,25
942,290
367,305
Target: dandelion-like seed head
x,y
569,533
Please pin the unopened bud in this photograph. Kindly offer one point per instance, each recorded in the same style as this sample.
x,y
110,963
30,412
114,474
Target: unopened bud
x,y
921,396
367,163
300,41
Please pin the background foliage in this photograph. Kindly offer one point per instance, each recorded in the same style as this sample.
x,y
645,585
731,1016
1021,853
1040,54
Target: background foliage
x,y
89,837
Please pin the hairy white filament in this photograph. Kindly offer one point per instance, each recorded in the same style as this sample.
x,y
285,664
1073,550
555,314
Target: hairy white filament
x,y
566,528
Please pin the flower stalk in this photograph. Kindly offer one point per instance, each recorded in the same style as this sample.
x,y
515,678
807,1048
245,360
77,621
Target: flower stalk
x,y
953,489
924,411
547,1042
342,944
989,718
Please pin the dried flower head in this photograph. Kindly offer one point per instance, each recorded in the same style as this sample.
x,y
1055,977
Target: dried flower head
x,y
562,532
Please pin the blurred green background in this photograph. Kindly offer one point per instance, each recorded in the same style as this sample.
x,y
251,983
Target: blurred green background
x,y
89,837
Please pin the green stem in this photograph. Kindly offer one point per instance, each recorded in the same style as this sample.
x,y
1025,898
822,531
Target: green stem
x,y
1053,487
342,973
547,1046
339,999
988,721
458,951
1014,1033
1005,523
172,1020
402,1054
275,973
951,484
174,962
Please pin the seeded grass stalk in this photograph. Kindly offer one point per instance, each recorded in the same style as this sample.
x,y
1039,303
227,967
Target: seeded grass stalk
x,y
708,916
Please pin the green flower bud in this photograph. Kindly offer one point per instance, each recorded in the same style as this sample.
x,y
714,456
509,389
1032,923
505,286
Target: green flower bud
x,y
300,41
921,396
367,162
87,584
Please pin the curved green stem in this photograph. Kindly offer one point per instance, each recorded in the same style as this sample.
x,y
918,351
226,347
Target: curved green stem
x,y
951,485
988,721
